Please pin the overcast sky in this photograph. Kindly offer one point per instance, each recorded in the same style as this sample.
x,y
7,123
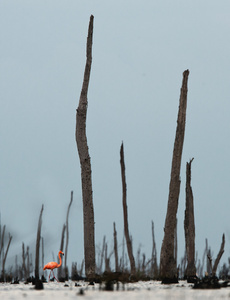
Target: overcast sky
x,y
140,50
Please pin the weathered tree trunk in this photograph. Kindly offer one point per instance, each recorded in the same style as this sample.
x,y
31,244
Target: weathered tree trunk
x,y
122,260
168,268
209,259
83,151
107,259
101,256
67,236
38,245
125,212
189,226
16,267
62,237
154,267
218,256
5,256
115,247
28,262
23,262
138,259
202,270
2,241
60,269
207,255
175,243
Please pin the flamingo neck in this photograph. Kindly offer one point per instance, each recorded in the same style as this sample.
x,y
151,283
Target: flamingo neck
x,y
60,261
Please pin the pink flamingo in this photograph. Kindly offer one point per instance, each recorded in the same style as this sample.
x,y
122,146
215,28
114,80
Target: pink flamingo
x,y
53,265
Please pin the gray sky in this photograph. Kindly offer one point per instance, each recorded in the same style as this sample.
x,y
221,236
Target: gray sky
x,y
140,50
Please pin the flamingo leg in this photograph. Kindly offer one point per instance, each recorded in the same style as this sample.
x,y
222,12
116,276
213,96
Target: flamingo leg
x,y
49,275
54,276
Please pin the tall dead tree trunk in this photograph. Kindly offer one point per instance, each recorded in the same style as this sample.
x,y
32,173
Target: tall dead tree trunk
x,y
62,238
154,267
28,262
168,267
125,212
23,262
221,251
107,259
4,258
67,235
175,243
101,256
38,244
60,269
189,226
83,151
115,247
2,242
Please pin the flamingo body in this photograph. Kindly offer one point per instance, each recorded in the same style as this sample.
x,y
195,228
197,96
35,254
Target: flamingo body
x,y
53,265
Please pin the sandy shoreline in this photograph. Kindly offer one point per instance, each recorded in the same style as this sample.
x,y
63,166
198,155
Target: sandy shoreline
x,y
139,290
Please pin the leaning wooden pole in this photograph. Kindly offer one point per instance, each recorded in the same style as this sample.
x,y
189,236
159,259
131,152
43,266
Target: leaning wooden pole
x,y
83,151
189,226
125,212
168,267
